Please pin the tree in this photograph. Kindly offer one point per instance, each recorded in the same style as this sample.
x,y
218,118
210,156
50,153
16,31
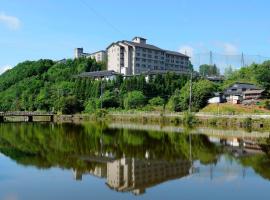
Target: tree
x,y
134,99
156,101
209,70
228,71
262,75
70,105
202,90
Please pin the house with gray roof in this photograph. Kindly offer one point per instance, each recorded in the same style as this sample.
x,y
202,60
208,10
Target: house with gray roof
x,y
244,91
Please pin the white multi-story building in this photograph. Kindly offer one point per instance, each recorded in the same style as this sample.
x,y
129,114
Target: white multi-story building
x,y
100,56
136,56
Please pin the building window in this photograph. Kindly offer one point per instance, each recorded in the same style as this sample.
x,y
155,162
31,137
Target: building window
x,y
138,54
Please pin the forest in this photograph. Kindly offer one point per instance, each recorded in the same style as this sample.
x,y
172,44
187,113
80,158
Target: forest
x,y
46,85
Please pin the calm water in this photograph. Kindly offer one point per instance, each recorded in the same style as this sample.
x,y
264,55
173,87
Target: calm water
x,y
93,161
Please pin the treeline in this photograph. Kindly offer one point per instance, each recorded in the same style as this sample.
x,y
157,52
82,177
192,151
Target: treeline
x,y
53,86
42,85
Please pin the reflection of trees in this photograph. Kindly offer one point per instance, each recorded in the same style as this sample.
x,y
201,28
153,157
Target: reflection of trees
x,y
44,145
260,163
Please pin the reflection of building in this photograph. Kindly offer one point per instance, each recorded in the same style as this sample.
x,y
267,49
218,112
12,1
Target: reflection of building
x,y
136,175
99,171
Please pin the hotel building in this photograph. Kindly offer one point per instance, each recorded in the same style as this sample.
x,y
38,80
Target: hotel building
x,y
136,57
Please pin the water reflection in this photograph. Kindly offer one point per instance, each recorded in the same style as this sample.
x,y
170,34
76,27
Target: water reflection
x,y
131,160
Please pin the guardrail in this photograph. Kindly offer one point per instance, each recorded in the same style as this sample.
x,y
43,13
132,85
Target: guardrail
x,y
21,113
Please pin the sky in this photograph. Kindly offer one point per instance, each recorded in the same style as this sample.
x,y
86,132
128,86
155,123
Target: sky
x,y
35,29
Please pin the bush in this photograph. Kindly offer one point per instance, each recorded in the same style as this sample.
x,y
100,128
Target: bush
x,y
70,105
134,99
156,101
92,105
267,104
189,119
110,100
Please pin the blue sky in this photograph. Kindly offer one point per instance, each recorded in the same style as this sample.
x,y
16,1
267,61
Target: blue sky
x,y
34,29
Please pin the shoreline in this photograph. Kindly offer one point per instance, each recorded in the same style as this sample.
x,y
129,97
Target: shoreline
x,y
256,122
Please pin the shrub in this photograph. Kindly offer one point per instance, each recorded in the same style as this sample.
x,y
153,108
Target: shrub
x,y
156,101
71,105
134,99
189,119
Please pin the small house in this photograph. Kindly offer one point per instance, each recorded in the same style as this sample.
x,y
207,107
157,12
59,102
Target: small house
x,y
239,92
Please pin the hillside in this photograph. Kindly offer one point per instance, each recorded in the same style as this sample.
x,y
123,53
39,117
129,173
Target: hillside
x,y
42,84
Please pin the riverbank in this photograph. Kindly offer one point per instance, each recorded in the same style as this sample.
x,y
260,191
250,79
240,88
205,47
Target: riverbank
x,y
245,121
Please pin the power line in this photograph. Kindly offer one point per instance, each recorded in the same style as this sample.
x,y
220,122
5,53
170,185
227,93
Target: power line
x,y
103,18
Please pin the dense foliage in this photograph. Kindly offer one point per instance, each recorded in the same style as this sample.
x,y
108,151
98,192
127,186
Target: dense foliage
x,y
258,74
209,70
53,86
202,90
43,85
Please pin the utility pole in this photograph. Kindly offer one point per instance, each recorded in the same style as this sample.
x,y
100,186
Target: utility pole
x,y
101,93
190,91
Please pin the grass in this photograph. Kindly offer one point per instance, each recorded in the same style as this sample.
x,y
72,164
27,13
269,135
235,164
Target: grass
x,y
227,108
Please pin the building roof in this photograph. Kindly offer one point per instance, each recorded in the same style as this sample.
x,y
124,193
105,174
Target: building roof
x,y
154,72
97,52
236,88
98,74
148,46
142,45
253,92
248,86
139,37
176,53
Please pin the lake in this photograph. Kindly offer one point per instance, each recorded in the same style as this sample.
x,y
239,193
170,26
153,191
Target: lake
x,y
40,161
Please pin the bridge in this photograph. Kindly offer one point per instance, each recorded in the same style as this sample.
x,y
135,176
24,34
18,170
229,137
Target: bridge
x,y
27,115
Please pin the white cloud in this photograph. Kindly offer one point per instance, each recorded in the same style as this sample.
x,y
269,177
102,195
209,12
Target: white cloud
x,y
187,49
11,22
229,48
4,68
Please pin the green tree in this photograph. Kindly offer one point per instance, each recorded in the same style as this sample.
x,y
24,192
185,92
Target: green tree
x,y
156,101
134,99
209,70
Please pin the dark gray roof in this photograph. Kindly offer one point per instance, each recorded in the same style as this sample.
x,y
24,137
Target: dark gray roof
x,y
237,88
176,53
98,74
248,86
154,72
149,46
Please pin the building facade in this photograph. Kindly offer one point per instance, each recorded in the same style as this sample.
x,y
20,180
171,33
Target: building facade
x,y
99,56
136,56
